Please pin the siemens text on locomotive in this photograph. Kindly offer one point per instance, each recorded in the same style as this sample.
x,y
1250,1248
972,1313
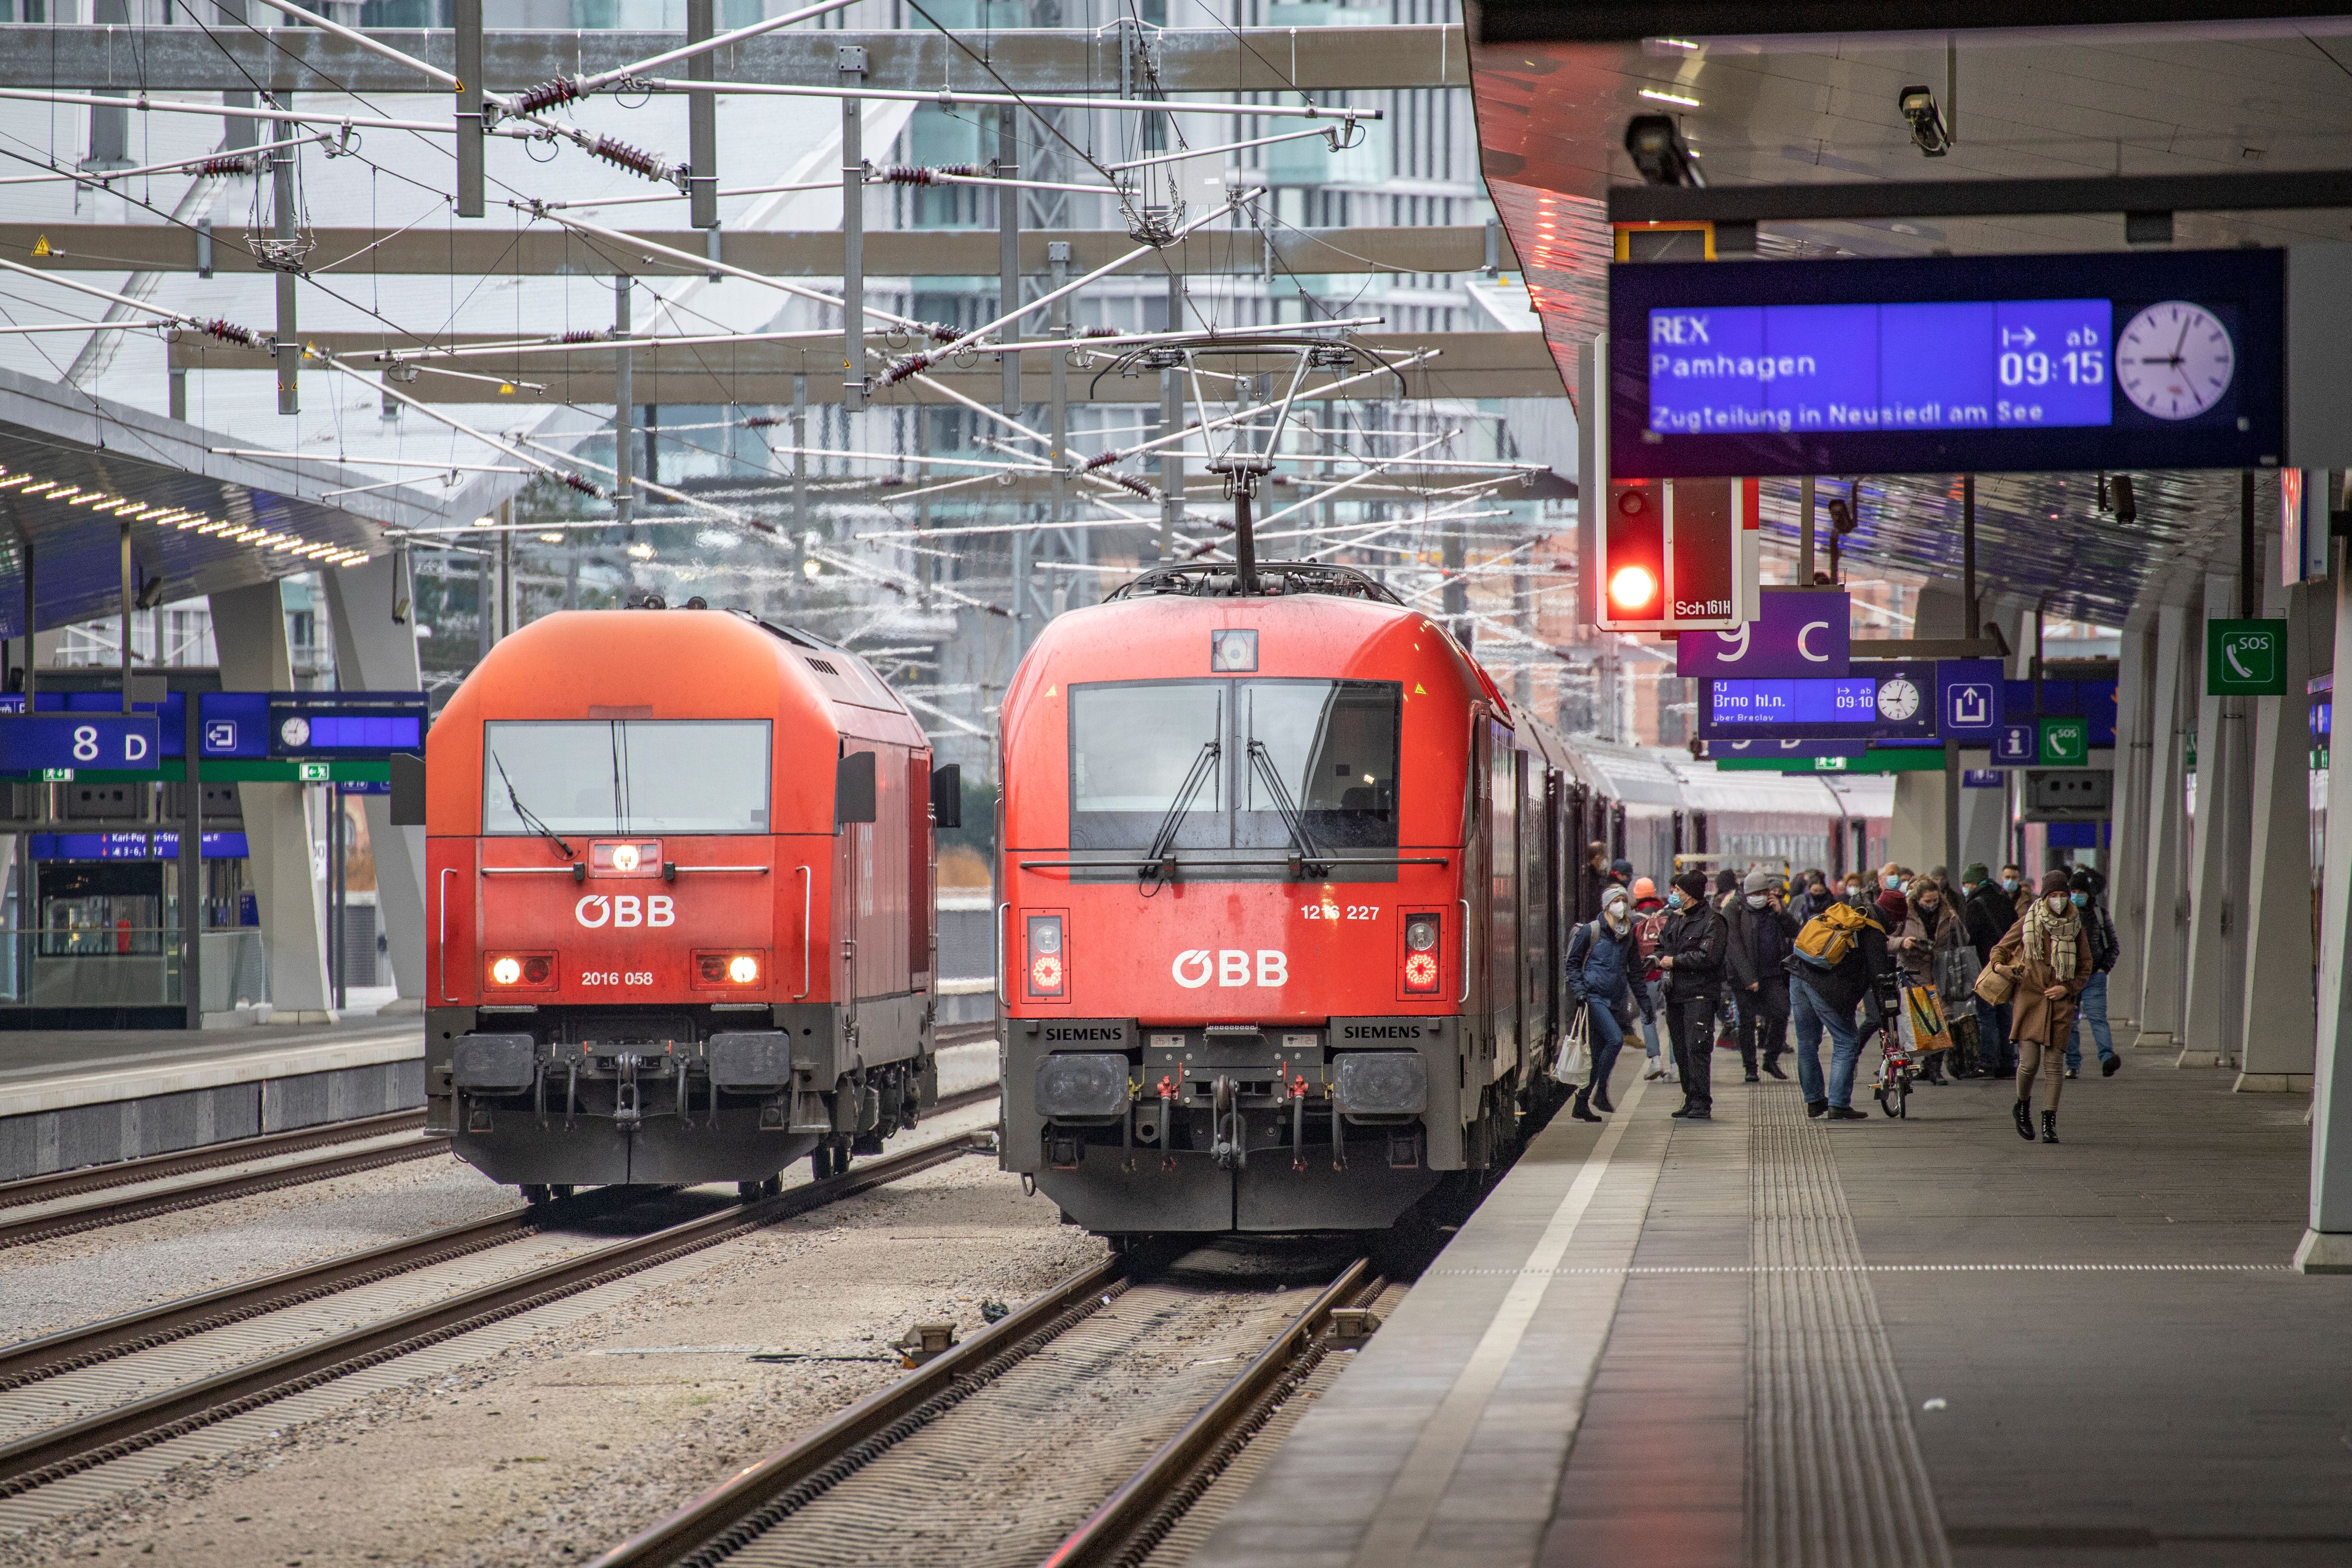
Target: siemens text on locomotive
x,y
680,869
1283,906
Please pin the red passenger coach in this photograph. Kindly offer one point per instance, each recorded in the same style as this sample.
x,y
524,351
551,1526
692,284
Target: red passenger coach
x,y
680,873
1282,883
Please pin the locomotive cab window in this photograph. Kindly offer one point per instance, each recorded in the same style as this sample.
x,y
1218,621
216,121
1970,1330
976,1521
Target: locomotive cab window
x,y
625,776
1258,768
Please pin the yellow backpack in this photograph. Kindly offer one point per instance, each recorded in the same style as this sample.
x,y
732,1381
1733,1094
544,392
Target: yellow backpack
x,y
1828,937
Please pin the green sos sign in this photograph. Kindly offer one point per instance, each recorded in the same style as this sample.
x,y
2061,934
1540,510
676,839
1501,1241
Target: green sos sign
x,y
2245,658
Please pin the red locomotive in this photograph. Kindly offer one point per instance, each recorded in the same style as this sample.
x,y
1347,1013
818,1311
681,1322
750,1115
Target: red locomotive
x,y
679,870
1282,906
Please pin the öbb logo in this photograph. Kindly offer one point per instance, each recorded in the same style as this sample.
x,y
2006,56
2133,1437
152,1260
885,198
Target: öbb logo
x,y
625,910
1196,966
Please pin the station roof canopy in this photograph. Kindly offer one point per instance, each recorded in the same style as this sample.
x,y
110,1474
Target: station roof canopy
x,y
2065,118
78,468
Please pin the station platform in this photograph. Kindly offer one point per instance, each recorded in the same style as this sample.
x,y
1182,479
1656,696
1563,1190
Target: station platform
x,y
70,1098
1774,1341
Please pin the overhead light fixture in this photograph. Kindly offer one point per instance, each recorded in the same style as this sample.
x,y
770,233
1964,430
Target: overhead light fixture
x,y
1660,95
486,522
550,539
13,480
1655,144
1928,133
641,552
44,485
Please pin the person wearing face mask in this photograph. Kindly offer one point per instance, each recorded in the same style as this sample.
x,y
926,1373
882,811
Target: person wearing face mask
x,y
1990,912
1857,893
1813,895
1841,962
1761,933
1649,925
2020,897
2083,889
1604,958
1690,951
1930,931
2048,954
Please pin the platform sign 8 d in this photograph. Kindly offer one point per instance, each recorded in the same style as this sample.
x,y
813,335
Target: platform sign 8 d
x,y
43,741
2245,658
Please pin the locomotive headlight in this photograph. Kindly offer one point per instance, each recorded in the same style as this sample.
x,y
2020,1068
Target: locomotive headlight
x,y
507,971
743,968
1049,972
1421,935
625,857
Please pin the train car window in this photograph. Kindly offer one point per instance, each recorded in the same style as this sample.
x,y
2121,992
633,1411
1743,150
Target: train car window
x,y
625,776
1331,747
1137,749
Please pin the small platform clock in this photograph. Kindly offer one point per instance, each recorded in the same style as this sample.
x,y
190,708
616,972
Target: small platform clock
x,y
1898,699
295,731
2175,359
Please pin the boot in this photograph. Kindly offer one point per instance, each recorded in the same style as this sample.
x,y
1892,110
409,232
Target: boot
x,y
2024,1119
1583,1109
1772,1069
2049,1126
1601,1098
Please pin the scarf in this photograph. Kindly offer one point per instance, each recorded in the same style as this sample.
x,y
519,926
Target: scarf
x,y
2053,936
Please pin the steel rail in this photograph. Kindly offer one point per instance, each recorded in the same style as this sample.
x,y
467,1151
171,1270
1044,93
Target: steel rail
x,y
1170,1481
199,1194
71,1349
733,1506
209,1157
42,1458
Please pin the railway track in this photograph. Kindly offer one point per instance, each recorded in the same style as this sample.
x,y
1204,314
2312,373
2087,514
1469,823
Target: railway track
x,y
54,1452
333,1161
990,1453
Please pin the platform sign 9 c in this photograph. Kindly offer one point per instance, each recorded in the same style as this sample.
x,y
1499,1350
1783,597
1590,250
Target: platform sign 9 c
x,y
123,742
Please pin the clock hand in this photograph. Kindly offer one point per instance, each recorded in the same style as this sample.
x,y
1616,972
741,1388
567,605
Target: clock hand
x,y
2184,339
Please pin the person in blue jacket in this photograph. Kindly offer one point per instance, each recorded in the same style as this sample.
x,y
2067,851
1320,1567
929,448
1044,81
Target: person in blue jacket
x,y
1603,958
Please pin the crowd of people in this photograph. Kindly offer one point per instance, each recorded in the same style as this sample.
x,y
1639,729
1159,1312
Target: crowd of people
x,y
1734,962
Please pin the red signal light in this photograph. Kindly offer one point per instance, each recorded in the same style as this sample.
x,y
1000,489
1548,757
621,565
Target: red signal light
x,y
1048,959
1631,588
1421,972
1046,972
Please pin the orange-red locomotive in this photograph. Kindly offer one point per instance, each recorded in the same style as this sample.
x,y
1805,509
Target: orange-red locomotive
x,y
1283,906
678,901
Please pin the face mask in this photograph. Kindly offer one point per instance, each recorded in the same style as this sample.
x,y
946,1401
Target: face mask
x,y
1854,890
2009,884
2057,904
2080,899
1925,905
1615,914
1756,901
1890,883
1674,899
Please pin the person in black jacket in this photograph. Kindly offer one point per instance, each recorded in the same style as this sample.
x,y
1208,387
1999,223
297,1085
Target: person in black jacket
x,y
2084,890
1824,1000
1691,954
1989,911
1760,933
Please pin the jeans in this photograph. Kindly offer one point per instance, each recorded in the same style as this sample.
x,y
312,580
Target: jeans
x,y
1811,1015
2090,1008
1650,1019
1763,1022
1996,1052
1608,1038
1691,1023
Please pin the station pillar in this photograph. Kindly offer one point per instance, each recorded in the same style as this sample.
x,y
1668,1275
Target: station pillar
x,y
376,652
2328,1244
2217,899
2280,1020
2164,906
2127,862
249,628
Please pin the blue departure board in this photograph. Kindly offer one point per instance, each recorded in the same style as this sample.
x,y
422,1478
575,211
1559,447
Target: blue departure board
x,y
1881,700
1979,364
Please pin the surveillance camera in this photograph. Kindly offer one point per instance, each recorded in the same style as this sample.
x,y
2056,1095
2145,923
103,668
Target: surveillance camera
x,y
2126,505
1928,130
1655,144
1841,515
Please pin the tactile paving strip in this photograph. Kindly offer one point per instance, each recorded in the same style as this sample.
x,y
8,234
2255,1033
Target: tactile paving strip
x,y
1835,1475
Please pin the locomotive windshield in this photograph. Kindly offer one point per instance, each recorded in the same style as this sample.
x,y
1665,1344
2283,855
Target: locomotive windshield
x,y
1244,764
625,776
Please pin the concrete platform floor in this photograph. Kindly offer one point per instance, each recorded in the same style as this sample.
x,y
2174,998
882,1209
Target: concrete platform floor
x,y
1767,1340
29,1055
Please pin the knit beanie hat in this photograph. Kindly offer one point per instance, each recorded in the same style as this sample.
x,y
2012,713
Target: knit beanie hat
x,y
1693,883
1976,872
1893,907
2054,881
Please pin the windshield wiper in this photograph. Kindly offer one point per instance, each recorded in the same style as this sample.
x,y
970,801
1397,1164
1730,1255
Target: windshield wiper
x,y
1162,863
1303,854
525,814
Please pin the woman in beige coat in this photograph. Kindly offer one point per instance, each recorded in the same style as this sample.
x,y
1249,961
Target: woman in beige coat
x,y
2048,954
